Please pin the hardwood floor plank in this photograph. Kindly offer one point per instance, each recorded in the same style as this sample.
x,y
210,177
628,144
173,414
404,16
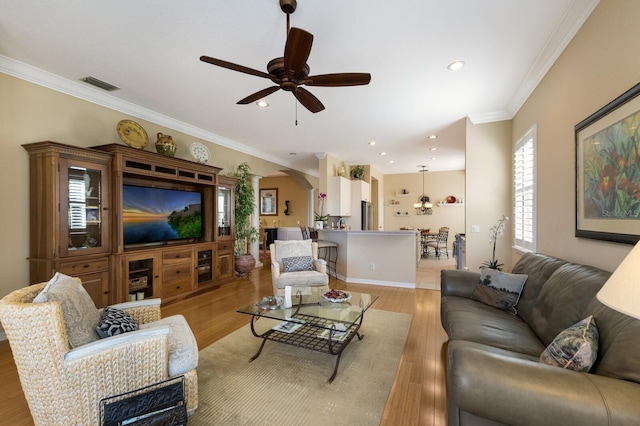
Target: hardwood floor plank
x,y
418,394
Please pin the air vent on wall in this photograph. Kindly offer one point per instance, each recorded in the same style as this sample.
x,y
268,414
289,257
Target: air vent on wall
x,y
99,83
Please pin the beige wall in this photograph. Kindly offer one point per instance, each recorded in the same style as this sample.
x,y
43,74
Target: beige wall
x,y
599,64
298,198
31,113
488,188
437,186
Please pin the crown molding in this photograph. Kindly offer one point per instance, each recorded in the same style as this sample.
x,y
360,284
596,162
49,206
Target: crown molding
x,y
88,93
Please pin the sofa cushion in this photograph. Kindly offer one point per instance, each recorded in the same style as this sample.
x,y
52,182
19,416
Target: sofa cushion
x,y
114,322
618,344
467,319
302,279
575,348
563,299
183,349
80,313
499,289
291,248
539,268
297,263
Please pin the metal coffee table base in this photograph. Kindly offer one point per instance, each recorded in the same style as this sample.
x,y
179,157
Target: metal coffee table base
x,y
307,337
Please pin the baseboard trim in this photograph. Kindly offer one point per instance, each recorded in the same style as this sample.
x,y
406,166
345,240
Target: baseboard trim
x,y
381,283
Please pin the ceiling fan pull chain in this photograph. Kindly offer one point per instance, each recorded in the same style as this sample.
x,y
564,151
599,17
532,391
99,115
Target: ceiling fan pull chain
x,y
296,100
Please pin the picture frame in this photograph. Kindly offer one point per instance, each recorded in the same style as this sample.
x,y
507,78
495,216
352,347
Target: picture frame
x,y
607,145
269,202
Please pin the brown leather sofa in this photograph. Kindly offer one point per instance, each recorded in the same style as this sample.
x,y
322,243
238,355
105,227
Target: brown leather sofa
x,y
494,376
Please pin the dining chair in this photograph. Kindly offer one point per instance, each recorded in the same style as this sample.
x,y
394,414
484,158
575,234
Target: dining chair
x,y
440,242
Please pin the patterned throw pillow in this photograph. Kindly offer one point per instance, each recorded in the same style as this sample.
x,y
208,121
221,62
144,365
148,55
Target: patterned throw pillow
x,y
575,348
297,263
115,322
80,313
499,289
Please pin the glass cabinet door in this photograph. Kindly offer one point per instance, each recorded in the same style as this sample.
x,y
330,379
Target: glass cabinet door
x,y
83,211
224,211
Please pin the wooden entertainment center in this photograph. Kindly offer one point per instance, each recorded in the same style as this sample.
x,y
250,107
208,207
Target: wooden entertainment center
x,y
77,226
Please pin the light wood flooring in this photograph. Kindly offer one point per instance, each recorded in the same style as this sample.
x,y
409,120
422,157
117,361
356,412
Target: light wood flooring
x,y
418,395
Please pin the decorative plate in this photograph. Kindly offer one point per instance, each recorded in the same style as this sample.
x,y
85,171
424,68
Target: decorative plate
x,y
132,134
451,199
200,152
337,296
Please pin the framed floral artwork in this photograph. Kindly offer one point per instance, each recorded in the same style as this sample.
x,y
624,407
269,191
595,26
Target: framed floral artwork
x,y
269,202
608,171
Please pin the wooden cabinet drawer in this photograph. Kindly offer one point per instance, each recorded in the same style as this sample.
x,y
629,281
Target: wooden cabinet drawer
x,y
176,287
226,245
177,273
86,267
176,256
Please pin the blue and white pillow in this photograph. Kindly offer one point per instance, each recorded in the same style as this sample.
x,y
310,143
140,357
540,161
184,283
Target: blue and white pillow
x,y
297,263
499,289
575,348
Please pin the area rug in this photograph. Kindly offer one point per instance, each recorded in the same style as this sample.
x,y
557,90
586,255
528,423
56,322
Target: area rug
x,y
287,385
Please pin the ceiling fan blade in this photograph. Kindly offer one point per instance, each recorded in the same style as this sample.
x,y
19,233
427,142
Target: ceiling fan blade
x,y
338,80
296,51
307,99
236,67
258,95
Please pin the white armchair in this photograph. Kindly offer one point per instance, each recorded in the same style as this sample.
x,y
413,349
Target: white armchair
x,y
295,263
63,384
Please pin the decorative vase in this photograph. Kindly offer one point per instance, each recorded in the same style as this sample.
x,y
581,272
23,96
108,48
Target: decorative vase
x,y
319,224
341,171
244,264
165,145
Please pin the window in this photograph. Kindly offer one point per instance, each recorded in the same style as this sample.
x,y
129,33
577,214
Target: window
x,y
524,180
77,199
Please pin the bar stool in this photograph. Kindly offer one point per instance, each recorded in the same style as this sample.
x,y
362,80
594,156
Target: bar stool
x,y
328,250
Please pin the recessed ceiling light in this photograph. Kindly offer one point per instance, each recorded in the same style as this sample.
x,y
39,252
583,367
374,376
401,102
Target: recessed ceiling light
x,y
390,161
432,137
262,104
433,149
372,143
453,66
434,158
383,153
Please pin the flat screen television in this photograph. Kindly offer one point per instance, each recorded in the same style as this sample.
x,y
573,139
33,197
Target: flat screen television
x,y
159,215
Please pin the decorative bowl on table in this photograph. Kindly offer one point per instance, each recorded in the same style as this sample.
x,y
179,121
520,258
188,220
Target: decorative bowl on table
x,y
451,199
337,296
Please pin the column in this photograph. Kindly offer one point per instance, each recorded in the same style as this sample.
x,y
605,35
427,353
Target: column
x,y
254,248
311,215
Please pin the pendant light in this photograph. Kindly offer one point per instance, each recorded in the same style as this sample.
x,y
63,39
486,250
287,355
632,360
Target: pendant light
x,y
424,206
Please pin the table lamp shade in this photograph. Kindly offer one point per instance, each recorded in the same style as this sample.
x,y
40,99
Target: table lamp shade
x,y
622,290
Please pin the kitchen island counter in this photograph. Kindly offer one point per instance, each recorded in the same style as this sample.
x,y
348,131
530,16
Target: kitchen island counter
x,y
376,257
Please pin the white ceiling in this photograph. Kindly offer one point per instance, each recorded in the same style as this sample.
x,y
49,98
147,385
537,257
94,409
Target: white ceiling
x,y
151,49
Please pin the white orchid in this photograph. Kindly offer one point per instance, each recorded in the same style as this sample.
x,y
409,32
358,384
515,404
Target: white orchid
x,y
495,232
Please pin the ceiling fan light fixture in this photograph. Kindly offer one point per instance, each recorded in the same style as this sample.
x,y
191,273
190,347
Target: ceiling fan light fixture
x,y
262,104
433,137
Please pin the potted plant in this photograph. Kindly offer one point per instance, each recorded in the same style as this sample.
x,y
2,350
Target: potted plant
x,y
495,232
244,233
357,172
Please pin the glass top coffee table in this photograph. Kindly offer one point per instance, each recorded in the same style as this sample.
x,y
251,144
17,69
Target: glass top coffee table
x,y
322,327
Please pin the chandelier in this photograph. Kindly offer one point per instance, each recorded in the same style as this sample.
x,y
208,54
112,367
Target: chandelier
x,y
424,206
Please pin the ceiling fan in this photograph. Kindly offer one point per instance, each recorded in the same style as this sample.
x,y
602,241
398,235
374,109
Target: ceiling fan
x,y
291,71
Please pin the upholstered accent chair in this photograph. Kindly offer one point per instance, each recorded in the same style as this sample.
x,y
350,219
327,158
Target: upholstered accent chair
x,y
63,385
295,263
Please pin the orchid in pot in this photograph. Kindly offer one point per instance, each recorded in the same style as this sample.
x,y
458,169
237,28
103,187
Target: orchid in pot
x,y
495,232
320,216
